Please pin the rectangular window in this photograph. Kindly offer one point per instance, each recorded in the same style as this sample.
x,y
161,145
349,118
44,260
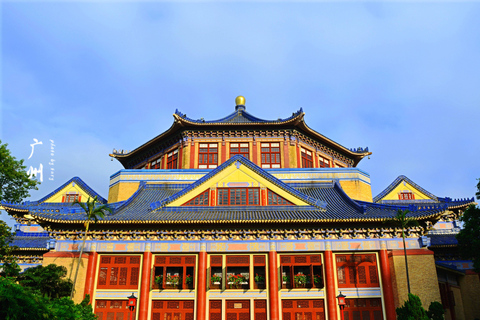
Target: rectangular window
x,y
307,159
303,309
406,195
200,200
301,271
208,156
239,148
118,272
238,272
71,197
270,155
172,160
174,272
155,164
323,162
238,197
357,271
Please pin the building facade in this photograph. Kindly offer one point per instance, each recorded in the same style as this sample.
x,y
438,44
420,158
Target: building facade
x,y
242,218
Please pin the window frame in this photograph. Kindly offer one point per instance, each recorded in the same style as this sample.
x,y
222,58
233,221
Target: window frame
x,y
172,159
351,270
307,158
207,152
240,146
324,162
264,153
254,192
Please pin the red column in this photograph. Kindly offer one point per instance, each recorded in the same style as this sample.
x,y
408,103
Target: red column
x,y
387,285
90,279
192,155
254,154
145,286
273,284
299,161
202,284
286,155
330,283
180,157
224,152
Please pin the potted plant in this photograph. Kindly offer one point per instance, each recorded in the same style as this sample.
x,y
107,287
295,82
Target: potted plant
x,y
174,280
189,281
159,281
300,280
318,280
236,281
286,281
215,281
259,281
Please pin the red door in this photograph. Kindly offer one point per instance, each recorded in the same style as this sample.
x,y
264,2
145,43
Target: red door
x,y
238,310
172,310
303,310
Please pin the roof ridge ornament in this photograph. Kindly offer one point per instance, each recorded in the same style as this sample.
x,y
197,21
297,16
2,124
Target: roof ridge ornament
x,y
240,103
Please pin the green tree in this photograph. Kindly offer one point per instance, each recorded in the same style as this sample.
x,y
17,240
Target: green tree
x,y
436,311
412,309
49,281
20,303
10,267
469,237
14,180
403,222
93,210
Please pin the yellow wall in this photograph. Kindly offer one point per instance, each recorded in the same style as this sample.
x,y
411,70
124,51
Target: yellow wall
x,y
470,286
73,188
122,191
357,190
393,195
71,264
423,279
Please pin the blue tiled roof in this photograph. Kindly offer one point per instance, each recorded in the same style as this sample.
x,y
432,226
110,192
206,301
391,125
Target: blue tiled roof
x,y
239,160
239,116
77,180
450,203
397,181
339,208
30,242
443,240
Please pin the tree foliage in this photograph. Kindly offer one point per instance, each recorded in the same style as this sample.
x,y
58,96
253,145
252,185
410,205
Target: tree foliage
x,y
48,281
412,309
14,181
20,303
469,237
10,267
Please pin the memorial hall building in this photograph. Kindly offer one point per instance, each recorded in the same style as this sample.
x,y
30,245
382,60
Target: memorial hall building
x,y
242,218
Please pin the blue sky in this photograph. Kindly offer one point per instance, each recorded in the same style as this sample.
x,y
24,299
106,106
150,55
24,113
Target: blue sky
x,y
402,78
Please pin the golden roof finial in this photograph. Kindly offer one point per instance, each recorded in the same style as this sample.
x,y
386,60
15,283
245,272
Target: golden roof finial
x,y
240,101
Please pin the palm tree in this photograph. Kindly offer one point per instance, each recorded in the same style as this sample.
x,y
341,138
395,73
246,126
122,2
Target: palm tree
x,y
93,211
404,223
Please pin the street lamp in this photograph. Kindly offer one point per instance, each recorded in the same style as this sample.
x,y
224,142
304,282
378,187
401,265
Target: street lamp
x,y
341,303
132,303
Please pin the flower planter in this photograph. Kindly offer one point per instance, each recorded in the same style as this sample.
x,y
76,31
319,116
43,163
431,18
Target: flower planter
x,y
189,286
216,285
260,285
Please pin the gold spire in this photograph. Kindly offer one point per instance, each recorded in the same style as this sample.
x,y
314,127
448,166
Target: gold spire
x,y
240,101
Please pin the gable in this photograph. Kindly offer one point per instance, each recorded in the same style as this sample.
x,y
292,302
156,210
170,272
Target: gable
x,y
401,190
237,175
70,189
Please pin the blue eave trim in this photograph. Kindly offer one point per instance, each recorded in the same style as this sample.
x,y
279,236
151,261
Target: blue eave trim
x,y
243,113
